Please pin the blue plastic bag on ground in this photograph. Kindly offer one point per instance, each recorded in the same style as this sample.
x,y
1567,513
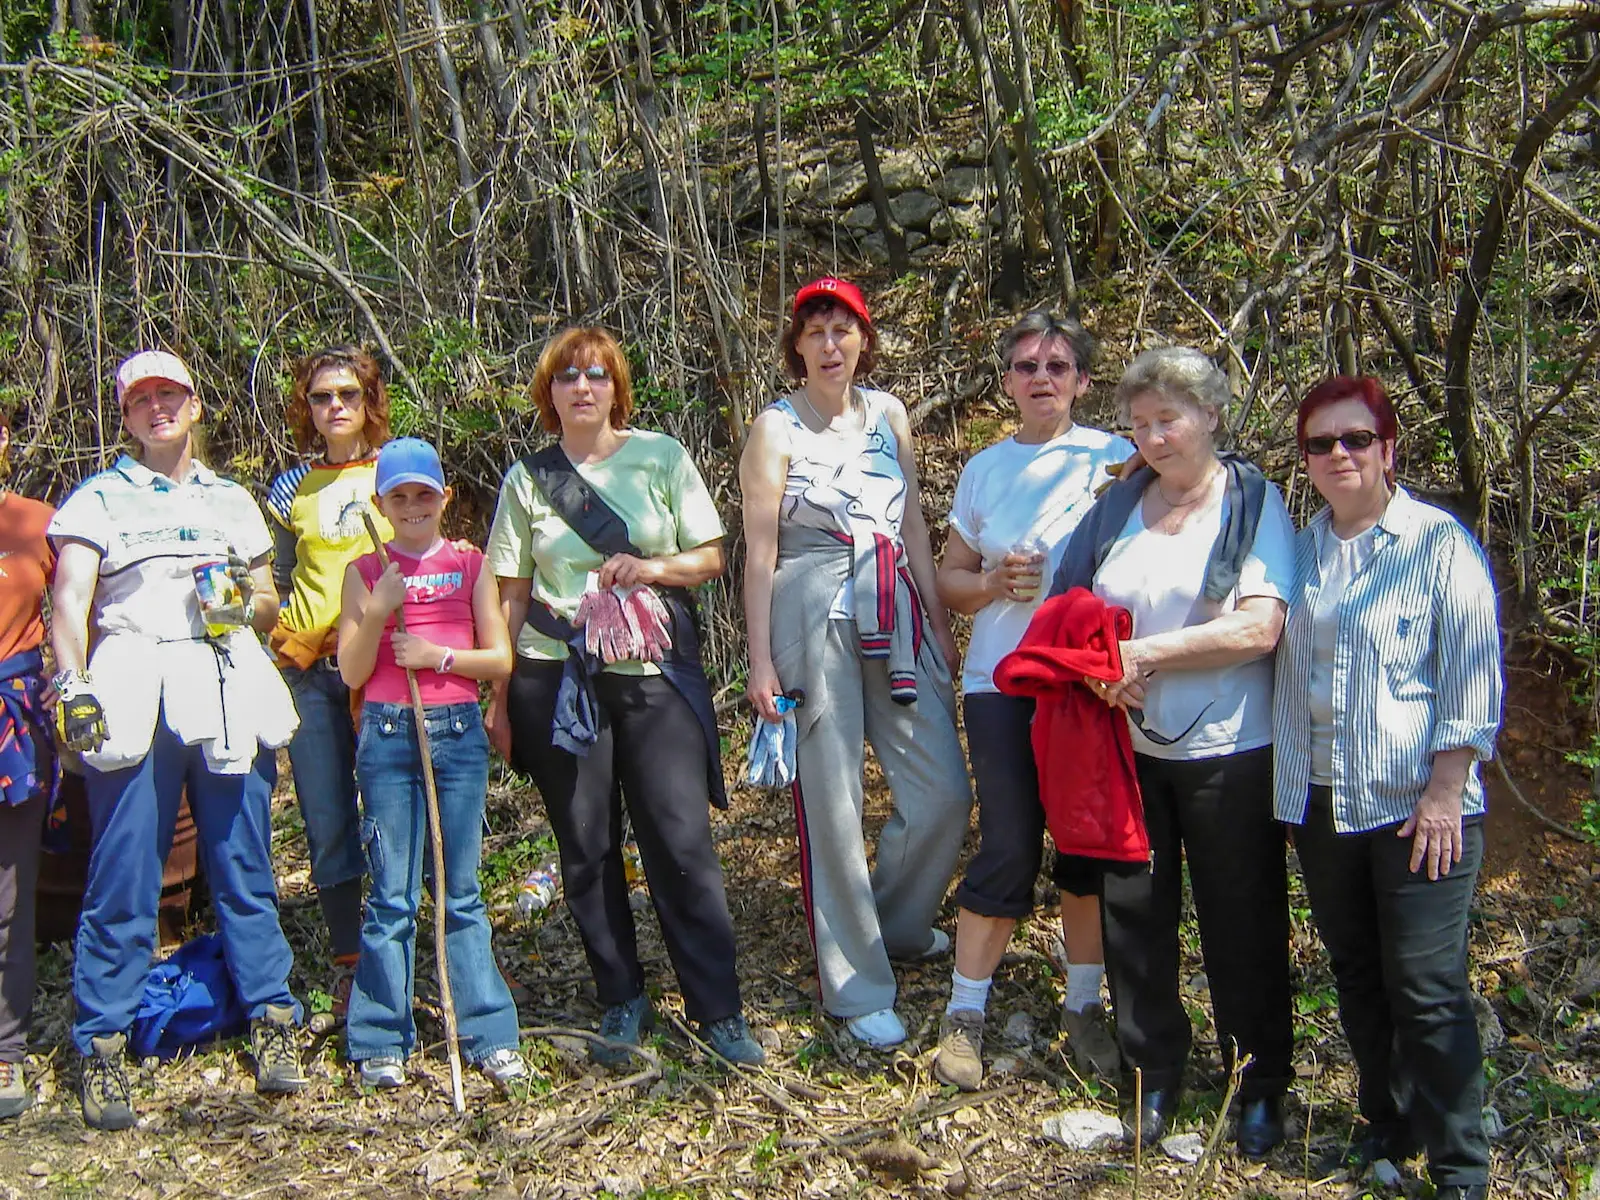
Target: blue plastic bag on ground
x,y
188,1000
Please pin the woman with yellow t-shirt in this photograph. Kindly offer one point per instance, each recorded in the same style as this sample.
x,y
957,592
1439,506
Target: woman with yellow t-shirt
x,y
338,406
596,540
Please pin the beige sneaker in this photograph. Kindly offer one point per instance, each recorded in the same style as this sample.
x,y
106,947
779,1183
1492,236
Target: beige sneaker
x,y
1094,1046
14,1094
960,1058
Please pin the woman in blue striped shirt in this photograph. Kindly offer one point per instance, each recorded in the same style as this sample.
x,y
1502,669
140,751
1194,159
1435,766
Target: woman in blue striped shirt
x,y
1387,697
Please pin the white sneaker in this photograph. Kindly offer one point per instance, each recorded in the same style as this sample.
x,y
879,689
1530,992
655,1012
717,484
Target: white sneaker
x,y
880,1030
383,1071
503,1067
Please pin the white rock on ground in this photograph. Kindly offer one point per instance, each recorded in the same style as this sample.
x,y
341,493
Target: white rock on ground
x,y
1082,1129
1185,1147
1019,1029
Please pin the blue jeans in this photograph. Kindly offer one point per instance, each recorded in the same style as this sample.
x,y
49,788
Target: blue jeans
x,y
132,812
394,830
322,756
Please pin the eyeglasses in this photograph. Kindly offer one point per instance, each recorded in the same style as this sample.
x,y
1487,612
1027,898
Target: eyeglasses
x,y
347,397
1353,439
1056,368
594,374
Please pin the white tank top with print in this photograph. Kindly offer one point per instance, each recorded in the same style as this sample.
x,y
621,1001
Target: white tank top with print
x,y
845,483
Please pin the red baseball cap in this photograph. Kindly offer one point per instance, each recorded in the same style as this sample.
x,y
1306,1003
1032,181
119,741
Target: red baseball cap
x,y
837,290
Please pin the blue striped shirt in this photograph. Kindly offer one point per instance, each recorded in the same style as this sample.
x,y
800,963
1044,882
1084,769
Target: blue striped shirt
x,y
1416,669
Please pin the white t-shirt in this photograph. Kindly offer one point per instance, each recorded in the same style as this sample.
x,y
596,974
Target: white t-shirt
x,y
1158,578
1011,493
1338,562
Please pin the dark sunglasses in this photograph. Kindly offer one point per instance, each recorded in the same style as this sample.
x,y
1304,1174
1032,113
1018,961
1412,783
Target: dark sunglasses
x,y
347,397
1056,368
1354,439
594,374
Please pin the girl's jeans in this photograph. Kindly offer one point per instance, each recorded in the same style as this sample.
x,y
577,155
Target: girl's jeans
x,y
394,830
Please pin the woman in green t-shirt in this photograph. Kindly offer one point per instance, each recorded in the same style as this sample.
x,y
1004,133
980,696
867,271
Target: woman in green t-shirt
x,y
596,540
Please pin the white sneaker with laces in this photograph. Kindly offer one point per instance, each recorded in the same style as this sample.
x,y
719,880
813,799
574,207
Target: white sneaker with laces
x,y
383,1071
503,1067
880,1030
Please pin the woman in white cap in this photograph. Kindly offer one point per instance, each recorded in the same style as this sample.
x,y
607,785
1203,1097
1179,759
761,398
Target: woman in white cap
x,y
163,566
840,603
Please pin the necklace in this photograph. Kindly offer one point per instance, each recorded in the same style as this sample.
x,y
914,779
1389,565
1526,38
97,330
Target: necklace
x,y
827,426
1200,491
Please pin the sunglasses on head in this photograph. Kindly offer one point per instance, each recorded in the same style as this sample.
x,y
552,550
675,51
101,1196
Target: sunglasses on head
x,y
1355,439
594,374
1056,368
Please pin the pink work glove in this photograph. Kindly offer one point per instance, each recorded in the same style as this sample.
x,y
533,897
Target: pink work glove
x,y
651,617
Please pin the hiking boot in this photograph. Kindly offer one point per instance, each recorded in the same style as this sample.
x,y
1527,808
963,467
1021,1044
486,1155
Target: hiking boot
x,y
730,1037
383,1071
1094,1046
103,1088
503,1067
960,1058
14,1094
275,1042
339,988
881,1030
626,1023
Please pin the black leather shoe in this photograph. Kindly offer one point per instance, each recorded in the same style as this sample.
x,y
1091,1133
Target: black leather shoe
x,y
1156,1114
1260,1126
1462,1191
1394,1143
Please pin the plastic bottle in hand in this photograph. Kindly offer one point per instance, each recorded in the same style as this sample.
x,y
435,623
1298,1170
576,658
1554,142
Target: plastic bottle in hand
x,y
538,891
1033,548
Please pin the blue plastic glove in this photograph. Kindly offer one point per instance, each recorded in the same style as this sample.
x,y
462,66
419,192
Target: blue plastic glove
x,y
770,761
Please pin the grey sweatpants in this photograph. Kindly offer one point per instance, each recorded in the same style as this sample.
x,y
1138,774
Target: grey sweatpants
x,y
858,922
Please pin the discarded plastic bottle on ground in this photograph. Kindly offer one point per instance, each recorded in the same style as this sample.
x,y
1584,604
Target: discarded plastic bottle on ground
x,y
538,891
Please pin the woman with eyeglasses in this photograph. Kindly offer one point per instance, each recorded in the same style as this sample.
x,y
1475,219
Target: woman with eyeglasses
x,y
1016,504
1198,547
597,540
1388,696
339,414
841,603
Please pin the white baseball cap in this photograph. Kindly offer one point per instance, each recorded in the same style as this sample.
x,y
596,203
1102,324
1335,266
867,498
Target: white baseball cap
x,y
151,364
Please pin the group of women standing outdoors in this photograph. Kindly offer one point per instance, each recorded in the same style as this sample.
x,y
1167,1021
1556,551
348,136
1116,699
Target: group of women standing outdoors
x,y
1361,736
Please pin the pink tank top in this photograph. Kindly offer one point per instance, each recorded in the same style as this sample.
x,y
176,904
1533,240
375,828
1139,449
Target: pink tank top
x,y
438,607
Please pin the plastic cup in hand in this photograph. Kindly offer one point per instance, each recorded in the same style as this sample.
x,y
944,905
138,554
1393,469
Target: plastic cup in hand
x,y
1033,549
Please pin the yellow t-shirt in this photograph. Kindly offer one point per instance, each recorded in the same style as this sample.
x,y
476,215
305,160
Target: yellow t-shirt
x,y
312,502
650,482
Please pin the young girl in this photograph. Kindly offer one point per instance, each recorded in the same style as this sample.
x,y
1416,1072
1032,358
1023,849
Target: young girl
x,y
455,636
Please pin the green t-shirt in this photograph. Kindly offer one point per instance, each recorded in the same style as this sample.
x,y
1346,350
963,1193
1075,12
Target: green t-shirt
x,y
650,482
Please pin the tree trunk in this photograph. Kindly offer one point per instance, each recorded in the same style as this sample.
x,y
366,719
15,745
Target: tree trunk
x,y
899,263
319,136
1027,152
1011,280
466,175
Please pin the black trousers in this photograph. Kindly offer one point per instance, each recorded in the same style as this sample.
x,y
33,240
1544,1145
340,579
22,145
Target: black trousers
x,y
21,826
1398,942
1218,812
651,743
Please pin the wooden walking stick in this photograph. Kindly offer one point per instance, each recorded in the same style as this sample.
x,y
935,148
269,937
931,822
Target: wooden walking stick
x,y
441,956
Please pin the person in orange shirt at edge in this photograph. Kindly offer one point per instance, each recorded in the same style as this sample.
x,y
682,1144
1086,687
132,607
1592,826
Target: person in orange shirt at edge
x,y
29,772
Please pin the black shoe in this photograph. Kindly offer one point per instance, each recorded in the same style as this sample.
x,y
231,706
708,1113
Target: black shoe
x,y
1156,1114
1461,1191
1260,1126
1391,1142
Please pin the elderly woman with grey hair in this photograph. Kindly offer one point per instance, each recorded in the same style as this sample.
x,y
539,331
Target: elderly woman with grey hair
x,y
1016,504
1198,547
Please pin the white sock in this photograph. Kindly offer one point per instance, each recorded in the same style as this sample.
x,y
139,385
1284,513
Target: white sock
x,y
968,993
1083,985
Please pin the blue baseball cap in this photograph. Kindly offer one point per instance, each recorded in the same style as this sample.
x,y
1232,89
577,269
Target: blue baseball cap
x,y
408,460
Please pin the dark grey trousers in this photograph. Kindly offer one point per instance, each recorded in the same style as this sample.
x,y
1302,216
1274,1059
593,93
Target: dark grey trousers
x,y
20,828
1398,942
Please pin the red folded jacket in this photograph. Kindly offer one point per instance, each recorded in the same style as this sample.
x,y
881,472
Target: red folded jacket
x,y
1081,745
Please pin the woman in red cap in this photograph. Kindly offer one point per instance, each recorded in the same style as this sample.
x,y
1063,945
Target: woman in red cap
x,y
841,604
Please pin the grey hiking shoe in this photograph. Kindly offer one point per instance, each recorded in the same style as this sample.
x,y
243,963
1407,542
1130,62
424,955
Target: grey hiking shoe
x,y
504,1067
14,1094
960,1058
107,1098
275,1042
383,1071
1094,1046
626,1023
730,1037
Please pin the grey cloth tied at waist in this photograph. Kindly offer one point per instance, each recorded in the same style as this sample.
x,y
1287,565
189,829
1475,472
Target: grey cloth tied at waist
x,y
812,566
